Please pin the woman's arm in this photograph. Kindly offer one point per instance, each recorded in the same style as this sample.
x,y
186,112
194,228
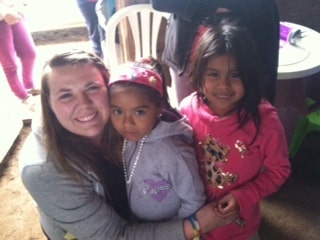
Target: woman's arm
x,y
86,216
66,205
69,206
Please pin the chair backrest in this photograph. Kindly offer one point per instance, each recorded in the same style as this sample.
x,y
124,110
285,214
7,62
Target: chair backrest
x,y
144,23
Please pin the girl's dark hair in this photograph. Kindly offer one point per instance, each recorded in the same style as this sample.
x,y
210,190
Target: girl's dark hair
x,y
227,36
72,151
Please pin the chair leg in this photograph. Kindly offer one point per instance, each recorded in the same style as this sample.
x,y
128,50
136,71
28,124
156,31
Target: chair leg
x,y
298,136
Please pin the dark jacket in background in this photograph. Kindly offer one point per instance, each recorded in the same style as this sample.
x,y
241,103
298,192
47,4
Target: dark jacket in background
x,y
260,17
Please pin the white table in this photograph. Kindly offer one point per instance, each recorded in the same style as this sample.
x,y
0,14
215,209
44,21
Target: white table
x,y
303,59
297,63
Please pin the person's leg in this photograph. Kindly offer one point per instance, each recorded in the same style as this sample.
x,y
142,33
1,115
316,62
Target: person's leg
x,y
26,51
9,62
95,32
102,34
104,10
181,85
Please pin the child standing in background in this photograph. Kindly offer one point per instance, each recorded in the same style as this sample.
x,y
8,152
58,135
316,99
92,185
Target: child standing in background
x,y
16,42
241,145
159,161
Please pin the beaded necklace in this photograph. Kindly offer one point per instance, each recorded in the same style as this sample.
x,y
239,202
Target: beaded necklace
x,y
125,170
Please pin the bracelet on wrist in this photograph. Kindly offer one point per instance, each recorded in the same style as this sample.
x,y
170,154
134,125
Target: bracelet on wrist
x,y
195,227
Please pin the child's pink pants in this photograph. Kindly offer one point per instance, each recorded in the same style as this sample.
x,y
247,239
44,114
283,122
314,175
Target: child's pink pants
x,y
17,57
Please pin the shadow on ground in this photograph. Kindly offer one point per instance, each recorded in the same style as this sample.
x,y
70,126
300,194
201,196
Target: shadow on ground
x,y
293,212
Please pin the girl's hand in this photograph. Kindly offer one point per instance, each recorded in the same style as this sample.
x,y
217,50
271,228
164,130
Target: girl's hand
x,y
227,206
209,217
12,18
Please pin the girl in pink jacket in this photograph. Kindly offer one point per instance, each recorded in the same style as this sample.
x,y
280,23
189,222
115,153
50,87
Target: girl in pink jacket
x,y
240,141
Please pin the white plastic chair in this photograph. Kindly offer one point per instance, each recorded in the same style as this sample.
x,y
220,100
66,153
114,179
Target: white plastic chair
x,y
144,23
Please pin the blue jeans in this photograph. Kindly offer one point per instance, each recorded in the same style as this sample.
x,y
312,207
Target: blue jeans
x,y
95,31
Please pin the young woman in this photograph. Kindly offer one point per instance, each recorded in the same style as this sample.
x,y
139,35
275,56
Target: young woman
x,y
68,163
241,145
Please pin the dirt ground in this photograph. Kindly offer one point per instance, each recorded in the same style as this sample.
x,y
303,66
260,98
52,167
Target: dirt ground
x,y
19,218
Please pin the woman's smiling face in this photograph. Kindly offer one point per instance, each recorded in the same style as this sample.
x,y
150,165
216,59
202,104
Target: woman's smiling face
x,y
79,99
